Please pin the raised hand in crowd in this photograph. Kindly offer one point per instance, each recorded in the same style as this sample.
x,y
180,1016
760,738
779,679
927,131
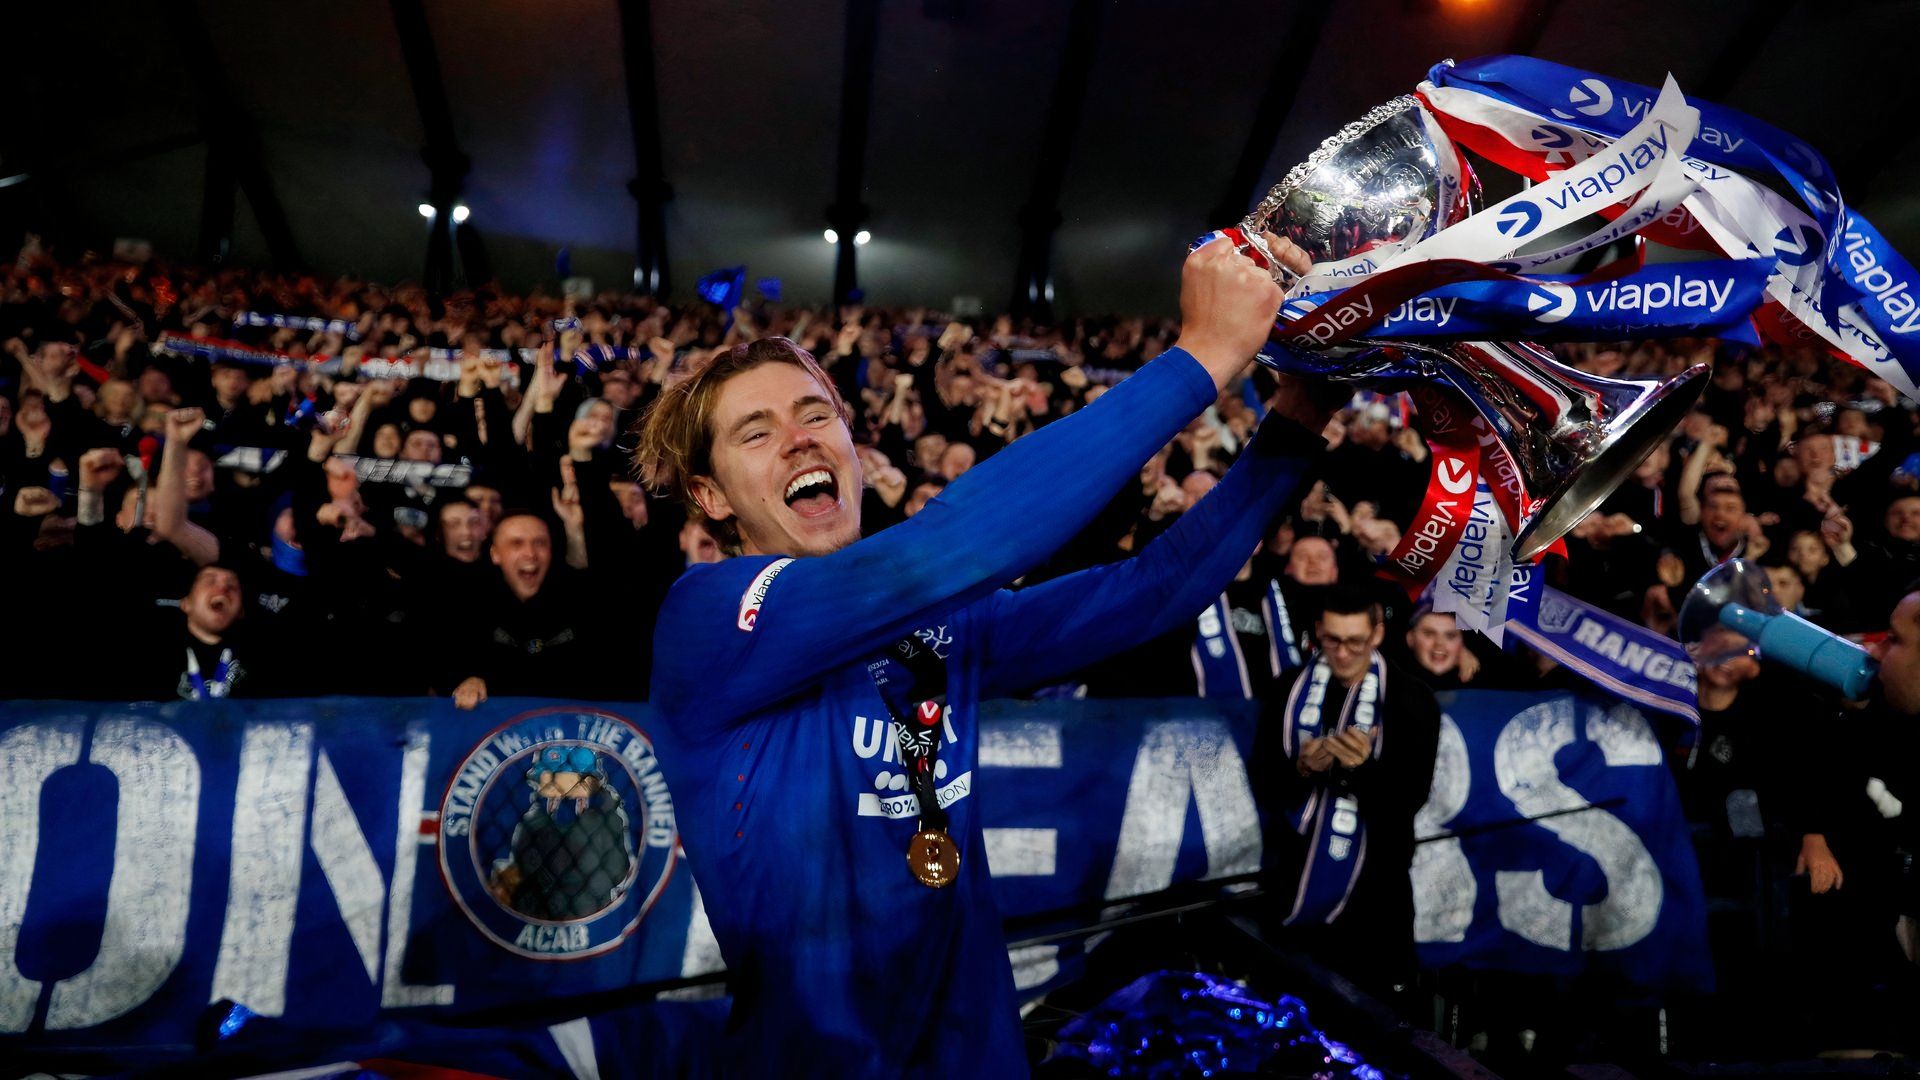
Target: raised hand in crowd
x,y
1836,530
170,522
471,692
573,517
99,468
35,502
1816,860
51,369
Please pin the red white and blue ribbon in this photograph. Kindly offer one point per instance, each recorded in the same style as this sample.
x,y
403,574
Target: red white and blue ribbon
x,y
1831,273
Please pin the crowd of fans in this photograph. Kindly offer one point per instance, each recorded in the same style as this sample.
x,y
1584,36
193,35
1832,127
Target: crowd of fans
x,y
187,518
341,527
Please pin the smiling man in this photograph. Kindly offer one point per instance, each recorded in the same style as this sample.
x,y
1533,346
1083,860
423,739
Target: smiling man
x,y
533,628
819,693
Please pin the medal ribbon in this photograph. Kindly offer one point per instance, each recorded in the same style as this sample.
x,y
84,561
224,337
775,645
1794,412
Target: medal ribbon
x,y
912,680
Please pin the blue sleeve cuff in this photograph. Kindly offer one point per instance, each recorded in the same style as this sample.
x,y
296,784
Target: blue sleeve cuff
x,y
1199,384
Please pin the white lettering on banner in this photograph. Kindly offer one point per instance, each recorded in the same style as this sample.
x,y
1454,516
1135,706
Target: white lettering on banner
x,y
1526,908
1033,965
1021,852
1033,744
152,885
1178,761
1523,763
1591,97
1029,852
395,991
347,862
1444,889
263,888
29,755
1520,586
1432,530
562,938
700,955
574,1039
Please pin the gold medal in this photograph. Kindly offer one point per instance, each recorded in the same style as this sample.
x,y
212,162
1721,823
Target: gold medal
x,y
933,858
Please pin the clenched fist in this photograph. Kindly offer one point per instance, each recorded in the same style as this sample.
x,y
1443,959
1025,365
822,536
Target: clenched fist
x,y
1228,304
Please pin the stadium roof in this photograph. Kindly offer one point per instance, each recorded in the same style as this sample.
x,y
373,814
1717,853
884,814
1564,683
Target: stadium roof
x,y
316,103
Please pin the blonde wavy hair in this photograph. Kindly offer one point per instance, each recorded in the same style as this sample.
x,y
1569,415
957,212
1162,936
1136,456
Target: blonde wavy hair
x,y
676,432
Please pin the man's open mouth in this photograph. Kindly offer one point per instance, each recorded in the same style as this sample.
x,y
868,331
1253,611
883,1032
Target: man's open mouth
x,y
812,493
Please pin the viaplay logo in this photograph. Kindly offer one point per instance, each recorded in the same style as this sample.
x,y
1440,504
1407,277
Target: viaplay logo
x,y
1550,303
1548,137
1518,219
1797,245
1590,97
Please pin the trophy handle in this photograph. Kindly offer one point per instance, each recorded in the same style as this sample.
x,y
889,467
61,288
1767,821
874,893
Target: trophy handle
x,y
1574,436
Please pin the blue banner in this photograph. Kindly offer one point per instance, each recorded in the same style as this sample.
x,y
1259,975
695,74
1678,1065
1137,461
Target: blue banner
x,y
388,866
1553,842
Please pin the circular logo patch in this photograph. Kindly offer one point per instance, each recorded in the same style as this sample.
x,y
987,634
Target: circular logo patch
x,y
557,833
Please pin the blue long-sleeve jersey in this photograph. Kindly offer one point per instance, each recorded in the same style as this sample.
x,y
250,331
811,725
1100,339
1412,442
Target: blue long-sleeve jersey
x,y
793,805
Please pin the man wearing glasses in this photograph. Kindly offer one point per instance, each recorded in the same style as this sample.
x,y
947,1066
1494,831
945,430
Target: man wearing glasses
x,y
1347,759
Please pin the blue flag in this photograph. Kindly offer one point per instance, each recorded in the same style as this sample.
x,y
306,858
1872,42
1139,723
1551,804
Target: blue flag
x,y
723,288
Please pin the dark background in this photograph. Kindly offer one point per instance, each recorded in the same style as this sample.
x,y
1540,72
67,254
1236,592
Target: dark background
x,y
112,104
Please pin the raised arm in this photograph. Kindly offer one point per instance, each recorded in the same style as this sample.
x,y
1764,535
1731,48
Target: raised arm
x,y
1038,635
170,495
741,635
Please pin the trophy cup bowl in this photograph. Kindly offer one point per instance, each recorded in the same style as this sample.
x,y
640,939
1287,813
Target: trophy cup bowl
x,y
1380,186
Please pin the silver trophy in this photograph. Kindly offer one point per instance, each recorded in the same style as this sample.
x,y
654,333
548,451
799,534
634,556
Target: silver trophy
x,y
1375,189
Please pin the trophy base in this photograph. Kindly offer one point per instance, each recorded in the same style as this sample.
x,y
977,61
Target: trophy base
x,y
1634,432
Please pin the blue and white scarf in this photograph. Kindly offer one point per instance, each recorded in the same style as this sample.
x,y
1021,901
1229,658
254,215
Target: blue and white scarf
x,y
1330,820
1219,663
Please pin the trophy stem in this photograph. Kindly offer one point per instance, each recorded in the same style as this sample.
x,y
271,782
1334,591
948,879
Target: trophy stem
x,y
1631,434
1573,436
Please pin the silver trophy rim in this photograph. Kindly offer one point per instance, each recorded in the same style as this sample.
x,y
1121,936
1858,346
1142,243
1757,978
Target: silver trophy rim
x,y
1329,146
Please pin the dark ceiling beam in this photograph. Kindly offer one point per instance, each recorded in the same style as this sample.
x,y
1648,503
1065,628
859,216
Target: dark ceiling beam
x,y
649,187
1040,217
31,141
849,212
447,165
234,153
1299,40
218,193
1529,25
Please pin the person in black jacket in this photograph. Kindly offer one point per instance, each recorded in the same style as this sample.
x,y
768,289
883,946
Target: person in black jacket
x,y
1344,759
534,628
